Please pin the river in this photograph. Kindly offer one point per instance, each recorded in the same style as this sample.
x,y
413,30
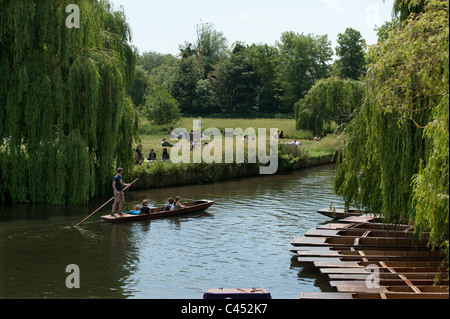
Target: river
x,y
242,241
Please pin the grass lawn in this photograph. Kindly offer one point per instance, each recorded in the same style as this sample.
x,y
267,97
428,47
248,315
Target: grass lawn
x,y
327,145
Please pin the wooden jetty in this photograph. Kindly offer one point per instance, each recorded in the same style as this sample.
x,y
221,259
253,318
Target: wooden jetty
x,y
367,259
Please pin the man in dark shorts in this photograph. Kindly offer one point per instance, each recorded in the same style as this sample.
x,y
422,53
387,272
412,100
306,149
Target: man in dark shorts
x,y
118,185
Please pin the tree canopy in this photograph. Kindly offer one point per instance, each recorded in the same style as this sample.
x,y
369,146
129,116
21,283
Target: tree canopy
x,y
351,52
329,101
64,101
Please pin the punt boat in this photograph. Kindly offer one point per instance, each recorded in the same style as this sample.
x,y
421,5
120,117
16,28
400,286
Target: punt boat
x,y
159,212
340,213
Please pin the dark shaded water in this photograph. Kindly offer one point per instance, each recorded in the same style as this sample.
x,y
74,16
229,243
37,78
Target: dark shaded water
x,y
242,241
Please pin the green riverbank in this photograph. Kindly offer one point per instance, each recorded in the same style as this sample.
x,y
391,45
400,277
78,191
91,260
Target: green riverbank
x,y
165,174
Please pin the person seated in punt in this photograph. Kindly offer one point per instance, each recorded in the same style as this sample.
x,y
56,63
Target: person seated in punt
x,y
135,211
178,204
170,205
145,210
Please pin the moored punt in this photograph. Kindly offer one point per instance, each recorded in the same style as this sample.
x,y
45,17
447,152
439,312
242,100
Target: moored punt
x,y
404,271
367,226
359,242
340,213
356,255
155,213
336,262
358,250
388,295
429,276
238,293
385,289
394,284
356,232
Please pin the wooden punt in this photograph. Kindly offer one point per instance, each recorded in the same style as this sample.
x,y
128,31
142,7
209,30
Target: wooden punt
x,y
340,213
382,255
336,262
356,232
367,226
407,268
388,295
421,284
238,293
430,276
405,271
380,242
402,288
155,213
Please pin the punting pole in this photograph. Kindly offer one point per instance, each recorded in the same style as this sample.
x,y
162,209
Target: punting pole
x,y
104,204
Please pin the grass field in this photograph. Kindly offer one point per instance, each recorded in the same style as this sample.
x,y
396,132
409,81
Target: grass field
x,y
151,136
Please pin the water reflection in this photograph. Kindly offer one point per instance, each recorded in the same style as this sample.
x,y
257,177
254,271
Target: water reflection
x,y
241,241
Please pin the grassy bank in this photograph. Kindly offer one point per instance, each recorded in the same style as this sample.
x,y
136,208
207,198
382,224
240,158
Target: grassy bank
x,y
290,157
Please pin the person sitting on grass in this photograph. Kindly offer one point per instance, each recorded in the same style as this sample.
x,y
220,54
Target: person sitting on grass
x,y
152,155
294,142
164,142
165,156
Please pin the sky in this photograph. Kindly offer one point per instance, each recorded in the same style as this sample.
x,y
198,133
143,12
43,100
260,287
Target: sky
x,y
162,26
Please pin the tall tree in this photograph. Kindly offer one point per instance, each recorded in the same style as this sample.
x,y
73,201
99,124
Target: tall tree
x,y
264,59
184,87
235,82
303,60
396,159
351,52
211,46
63,100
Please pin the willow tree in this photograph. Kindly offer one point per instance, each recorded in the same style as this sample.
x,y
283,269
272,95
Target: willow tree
x,y
331,100
63,99
404,8
396,156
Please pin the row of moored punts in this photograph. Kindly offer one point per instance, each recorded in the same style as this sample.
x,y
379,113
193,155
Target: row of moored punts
x,y
367,259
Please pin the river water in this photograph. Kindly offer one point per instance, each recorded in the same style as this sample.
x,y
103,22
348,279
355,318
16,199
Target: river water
x,y
242,241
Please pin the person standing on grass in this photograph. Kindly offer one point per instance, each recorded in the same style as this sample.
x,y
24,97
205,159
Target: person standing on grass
x,y
119,197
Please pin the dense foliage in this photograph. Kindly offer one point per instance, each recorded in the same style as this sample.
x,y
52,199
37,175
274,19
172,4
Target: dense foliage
x,y
396,156
210,77
351,54
63,100
329,102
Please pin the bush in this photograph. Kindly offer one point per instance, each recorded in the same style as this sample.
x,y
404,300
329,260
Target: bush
x,y
161,108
